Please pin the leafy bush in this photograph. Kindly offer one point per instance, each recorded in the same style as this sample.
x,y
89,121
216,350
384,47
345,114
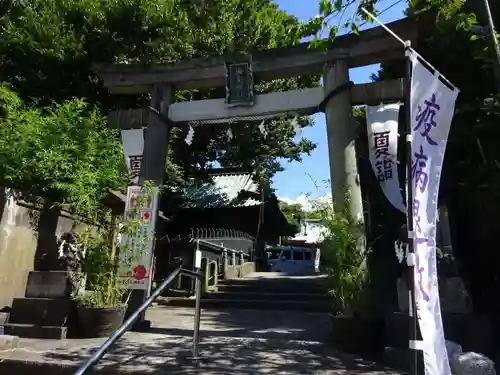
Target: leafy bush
x,y
49,48
344,258
65,154
109,269
104,287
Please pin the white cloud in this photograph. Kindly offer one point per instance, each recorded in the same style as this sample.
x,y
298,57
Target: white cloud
x,y
302,199
305,201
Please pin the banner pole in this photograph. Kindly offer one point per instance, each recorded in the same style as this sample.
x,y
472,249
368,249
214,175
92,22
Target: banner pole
x,y
494,42
412,311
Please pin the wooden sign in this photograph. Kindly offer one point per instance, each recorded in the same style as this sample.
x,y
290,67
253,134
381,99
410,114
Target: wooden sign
x,y
239,82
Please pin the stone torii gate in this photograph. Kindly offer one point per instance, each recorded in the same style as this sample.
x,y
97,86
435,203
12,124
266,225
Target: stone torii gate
x,y
336,98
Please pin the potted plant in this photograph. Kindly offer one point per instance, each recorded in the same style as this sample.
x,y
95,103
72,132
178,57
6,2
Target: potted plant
x,y
108,273
102,306
345,260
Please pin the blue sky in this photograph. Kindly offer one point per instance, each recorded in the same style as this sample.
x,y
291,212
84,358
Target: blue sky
x,y
297,179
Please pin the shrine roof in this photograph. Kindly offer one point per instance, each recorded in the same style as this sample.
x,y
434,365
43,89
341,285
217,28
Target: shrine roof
x,y
227,189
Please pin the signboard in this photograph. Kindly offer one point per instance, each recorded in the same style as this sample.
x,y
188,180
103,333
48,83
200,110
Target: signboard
x,y
382,127
133,148
432,108
239,83
136,247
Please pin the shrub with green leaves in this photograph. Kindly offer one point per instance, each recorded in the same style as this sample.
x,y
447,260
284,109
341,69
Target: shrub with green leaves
x,y
64,154
48,49
345,260
103,287
107,263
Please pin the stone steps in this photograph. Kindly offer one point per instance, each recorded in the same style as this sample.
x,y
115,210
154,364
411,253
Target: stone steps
x,y
40,311
266,292
271,296
257,304
47,309
39,318
275,286
36,331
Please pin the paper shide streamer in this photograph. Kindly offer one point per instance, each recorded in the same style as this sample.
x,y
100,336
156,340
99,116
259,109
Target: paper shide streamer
x,y
189,136
401,250
296,126
262,129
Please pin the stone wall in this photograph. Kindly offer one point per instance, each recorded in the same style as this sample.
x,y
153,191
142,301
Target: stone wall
x,y
236,271
28,241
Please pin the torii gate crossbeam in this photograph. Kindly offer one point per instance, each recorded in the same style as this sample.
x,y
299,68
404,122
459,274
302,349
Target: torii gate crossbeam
x,y
369,47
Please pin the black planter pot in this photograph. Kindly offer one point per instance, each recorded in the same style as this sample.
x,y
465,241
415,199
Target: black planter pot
x,y
359,335
100,322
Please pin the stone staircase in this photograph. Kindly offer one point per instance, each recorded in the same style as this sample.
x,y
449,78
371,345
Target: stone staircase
x,y
263,291
46,310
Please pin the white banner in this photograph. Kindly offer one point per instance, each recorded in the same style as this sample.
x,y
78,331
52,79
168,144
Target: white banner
x,y
136,252
133,148
432,108
382,127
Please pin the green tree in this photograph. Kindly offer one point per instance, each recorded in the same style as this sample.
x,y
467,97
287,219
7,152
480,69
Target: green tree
x,y
65,154
453,18
294,213
48,48
472,152
335,15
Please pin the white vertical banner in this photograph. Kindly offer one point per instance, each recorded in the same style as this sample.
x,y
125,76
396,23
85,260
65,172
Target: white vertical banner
x,y
136,252
382,127
432,108
133,149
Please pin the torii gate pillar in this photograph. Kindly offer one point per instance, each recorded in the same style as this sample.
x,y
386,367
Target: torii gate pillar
x,y
153,170
341,135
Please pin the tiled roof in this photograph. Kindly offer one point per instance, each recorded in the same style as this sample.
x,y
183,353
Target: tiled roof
x,y
226,190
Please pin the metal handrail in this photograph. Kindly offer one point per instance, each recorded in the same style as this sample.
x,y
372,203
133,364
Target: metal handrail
x,y
222,248
92,361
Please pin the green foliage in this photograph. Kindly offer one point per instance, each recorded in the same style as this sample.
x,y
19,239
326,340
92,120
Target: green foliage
x,y
103,286
65,154
48,48
108,266
294,213
472,155
446,11
345,261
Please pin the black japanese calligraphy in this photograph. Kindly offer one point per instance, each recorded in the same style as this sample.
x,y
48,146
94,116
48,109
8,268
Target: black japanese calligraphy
x,y
383,162
135,165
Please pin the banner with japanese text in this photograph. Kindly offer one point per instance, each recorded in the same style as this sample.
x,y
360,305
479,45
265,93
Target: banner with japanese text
x,y
136,244
133,148
382,128
432,109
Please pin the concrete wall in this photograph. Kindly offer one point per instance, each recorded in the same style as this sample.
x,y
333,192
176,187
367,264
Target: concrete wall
x,y
236,271
28,241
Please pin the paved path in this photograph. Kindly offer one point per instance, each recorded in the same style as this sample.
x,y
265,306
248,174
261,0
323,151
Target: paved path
x,y
233,342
